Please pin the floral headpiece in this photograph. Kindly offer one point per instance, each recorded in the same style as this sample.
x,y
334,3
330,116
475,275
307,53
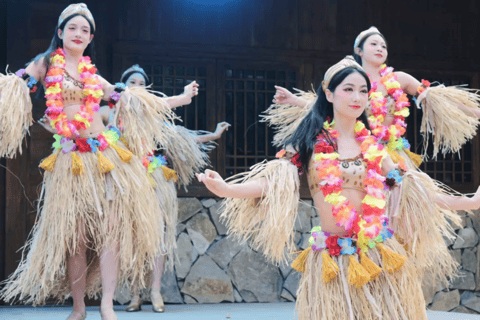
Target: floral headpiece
x,y
346,62
76,8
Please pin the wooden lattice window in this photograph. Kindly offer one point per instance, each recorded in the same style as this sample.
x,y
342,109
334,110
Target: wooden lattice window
x,y
248,92
171,78
455,170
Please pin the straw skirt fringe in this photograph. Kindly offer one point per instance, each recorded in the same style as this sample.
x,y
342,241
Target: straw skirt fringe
x,y
119,207
390,296
267,223
167,195
422,226
443,117
185,154
286,118
15,114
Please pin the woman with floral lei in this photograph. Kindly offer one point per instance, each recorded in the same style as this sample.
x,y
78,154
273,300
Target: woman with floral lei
x,y
188,154
88,238
450,114
355,268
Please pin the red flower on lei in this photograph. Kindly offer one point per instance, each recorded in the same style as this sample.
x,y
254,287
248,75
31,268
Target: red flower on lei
x,y
332,245
83,146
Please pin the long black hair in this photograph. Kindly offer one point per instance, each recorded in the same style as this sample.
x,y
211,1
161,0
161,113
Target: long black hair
x,y
304,138
57,42
362,43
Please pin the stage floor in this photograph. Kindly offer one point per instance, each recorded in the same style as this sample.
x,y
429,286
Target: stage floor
x,y
237,311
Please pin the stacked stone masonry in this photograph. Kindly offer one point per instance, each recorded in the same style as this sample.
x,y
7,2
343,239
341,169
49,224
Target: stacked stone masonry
x,y
212,268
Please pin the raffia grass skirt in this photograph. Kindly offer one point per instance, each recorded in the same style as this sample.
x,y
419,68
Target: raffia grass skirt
x,y
104,210
166,193
167,196
390,296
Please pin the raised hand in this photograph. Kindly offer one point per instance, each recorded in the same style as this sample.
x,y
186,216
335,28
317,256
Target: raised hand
x,y
221,127
191,89
283,96
214,182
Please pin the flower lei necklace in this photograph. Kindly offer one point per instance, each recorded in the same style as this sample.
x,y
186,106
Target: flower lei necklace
x,y
92,92
365,228
393,133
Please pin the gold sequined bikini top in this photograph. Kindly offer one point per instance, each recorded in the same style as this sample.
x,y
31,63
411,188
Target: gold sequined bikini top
x,y
353,173
71,90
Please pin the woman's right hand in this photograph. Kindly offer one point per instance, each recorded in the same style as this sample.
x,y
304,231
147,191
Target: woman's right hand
x,y
214,182
283,96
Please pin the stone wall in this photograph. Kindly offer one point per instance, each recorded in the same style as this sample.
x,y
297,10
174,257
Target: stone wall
x,y
463,293
213,268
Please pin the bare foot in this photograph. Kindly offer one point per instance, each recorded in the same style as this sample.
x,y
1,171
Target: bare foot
x,y
77,315
107,313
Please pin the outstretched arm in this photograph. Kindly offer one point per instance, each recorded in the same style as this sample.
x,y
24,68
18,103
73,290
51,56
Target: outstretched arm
x,y
221,127
458,202
214,182
283,96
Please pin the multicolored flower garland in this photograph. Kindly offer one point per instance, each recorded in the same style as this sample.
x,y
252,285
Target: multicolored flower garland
x,y
363,228
92,92
391,134
423,87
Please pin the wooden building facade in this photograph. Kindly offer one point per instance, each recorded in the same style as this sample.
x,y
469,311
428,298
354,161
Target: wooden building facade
x,y
237,52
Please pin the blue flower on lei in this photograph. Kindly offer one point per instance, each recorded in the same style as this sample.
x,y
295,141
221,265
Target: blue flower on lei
x,y
94,143
346,244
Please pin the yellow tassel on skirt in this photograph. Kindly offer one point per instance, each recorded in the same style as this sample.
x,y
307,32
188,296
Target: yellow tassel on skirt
x,y
299,263
370,266
391,261
124,154
77,164
329,267
104,164
416,158
169,174
357,275
48,164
